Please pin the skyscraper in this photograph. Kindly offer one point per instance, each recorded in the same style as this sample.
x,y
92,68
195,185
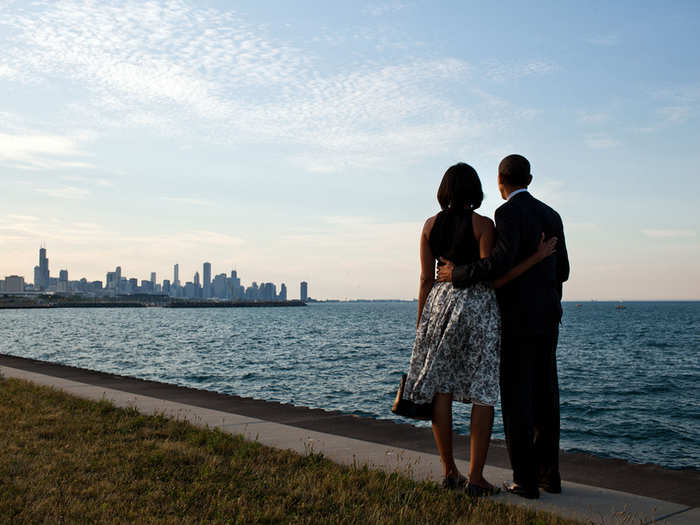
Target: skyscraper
x,y
304,291
43,274
153,278
119,287
206,275
176,275
283,292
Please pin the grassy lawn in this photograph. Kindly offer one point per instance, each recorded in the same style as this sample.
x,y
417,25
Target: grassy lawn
x,y
66,460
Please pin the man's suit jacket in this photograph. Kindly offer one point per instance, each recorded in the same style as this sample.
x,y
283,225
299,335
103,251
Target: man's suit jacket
x,y
530,304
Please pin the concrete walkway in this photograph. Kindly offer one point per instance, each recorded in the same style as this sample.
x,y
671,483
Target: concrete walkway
x,y
578,500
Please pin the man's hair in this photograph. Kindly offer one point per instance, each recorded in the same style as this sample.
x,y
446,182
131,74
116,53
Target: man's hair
x,y
460,188
515,171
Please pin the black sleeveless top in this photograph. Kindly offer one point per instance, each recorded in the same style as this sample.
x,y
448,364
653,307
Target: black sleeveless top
x,y
452,237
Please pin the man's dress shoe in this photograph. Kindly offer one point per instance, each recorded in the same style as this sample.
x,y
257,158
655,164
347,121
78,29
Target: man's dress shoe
x,y
552,488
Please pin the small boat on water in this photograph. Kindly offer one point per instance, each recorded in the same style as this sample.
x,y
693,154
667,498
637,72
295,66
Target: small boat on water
x,y
620,307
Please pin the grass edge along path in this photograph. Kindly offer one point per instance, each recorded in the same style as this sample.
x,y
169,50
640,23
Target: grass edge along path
x,y
66,460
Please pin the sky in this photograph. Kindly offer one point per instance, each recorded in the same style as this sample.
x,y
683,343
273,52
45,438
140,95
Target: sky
x,y
306,140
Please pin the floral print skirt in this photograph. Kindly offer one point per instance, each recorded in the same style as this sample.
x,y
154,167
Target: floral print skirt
x,y
457,346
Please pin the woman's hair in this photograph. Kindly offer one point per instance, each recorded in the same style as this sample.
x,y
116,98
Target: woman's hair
x,y
460,188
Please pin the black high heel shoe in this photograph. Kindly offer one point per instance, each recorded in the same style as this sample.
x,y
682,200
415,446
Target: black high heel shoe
x,y
454,482
477,491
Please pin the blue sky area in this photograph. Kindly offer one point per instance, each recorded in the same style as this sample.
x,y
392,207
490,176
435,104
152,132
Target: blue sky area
x,y
306,140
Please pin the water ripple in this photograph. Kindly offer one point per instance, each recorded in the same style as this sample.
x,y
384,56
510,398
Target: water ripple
x,y
628,378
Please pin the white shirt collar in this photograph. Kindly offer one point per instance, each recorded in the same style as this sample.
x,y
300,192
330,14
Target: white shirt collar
x,y
521,190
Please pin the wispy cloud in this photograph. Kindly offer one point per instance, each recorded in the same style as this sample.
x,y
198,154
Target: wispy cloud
x,y
608,40
503,71
593,117
670,233
41,151
189,201
679,104
65,192
7,72
91,181
382,8
600,141
23,218
676,114
81,232
180,69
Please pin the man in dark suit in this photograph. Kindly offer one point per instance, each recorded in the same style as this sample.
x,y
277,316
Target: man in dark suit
x,y
531,312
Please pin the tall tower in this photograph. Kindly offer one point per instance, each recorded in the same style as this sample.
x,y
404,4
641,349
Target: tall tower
x,y
176,275
118,288
153,279
206,274
43,269
304,291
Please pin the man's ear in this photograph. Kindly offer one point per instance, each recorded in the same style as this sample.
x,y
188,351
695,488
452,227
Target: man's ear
x,y
529,179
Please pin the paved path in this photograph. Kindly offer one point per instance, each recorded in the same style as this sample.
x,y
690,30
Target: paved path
x,y
578,500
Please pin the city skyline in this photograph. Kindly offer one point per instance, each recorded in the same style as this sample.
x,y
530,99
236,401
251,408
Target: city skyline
x,y
306,140
117,282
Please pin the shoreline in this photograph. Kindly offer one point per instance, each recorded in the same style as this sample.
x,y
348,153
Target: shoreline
x,y
679,486
139,304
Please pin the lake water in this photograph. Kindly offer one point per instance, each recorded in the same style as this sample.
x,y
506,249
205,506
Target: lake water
x,y
629,378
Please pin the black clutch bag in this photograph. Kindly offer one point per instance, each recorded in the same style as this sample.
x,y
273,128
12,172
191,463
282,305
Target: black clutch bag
x,y
406,408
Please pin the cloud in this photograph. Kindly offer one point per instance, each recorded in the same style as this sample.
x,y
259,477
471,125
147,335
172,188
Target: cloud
x,y
94,181
83,232
676,114
380,9
609,40
600,141
7,72
24,218
347,220
209,75
593,118
670,233
189,201
680,104
41,151
504,71
65,192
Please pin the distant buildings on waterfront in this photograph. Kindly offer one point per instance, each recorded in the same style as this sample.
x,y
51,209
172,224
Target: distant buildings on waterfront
x,y
221,287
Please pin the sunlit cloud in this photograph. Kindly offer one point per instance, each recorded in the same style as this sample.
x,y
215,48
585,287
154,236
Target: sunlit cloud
x,y
177,69
23,218
41,151
94,181
65,192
